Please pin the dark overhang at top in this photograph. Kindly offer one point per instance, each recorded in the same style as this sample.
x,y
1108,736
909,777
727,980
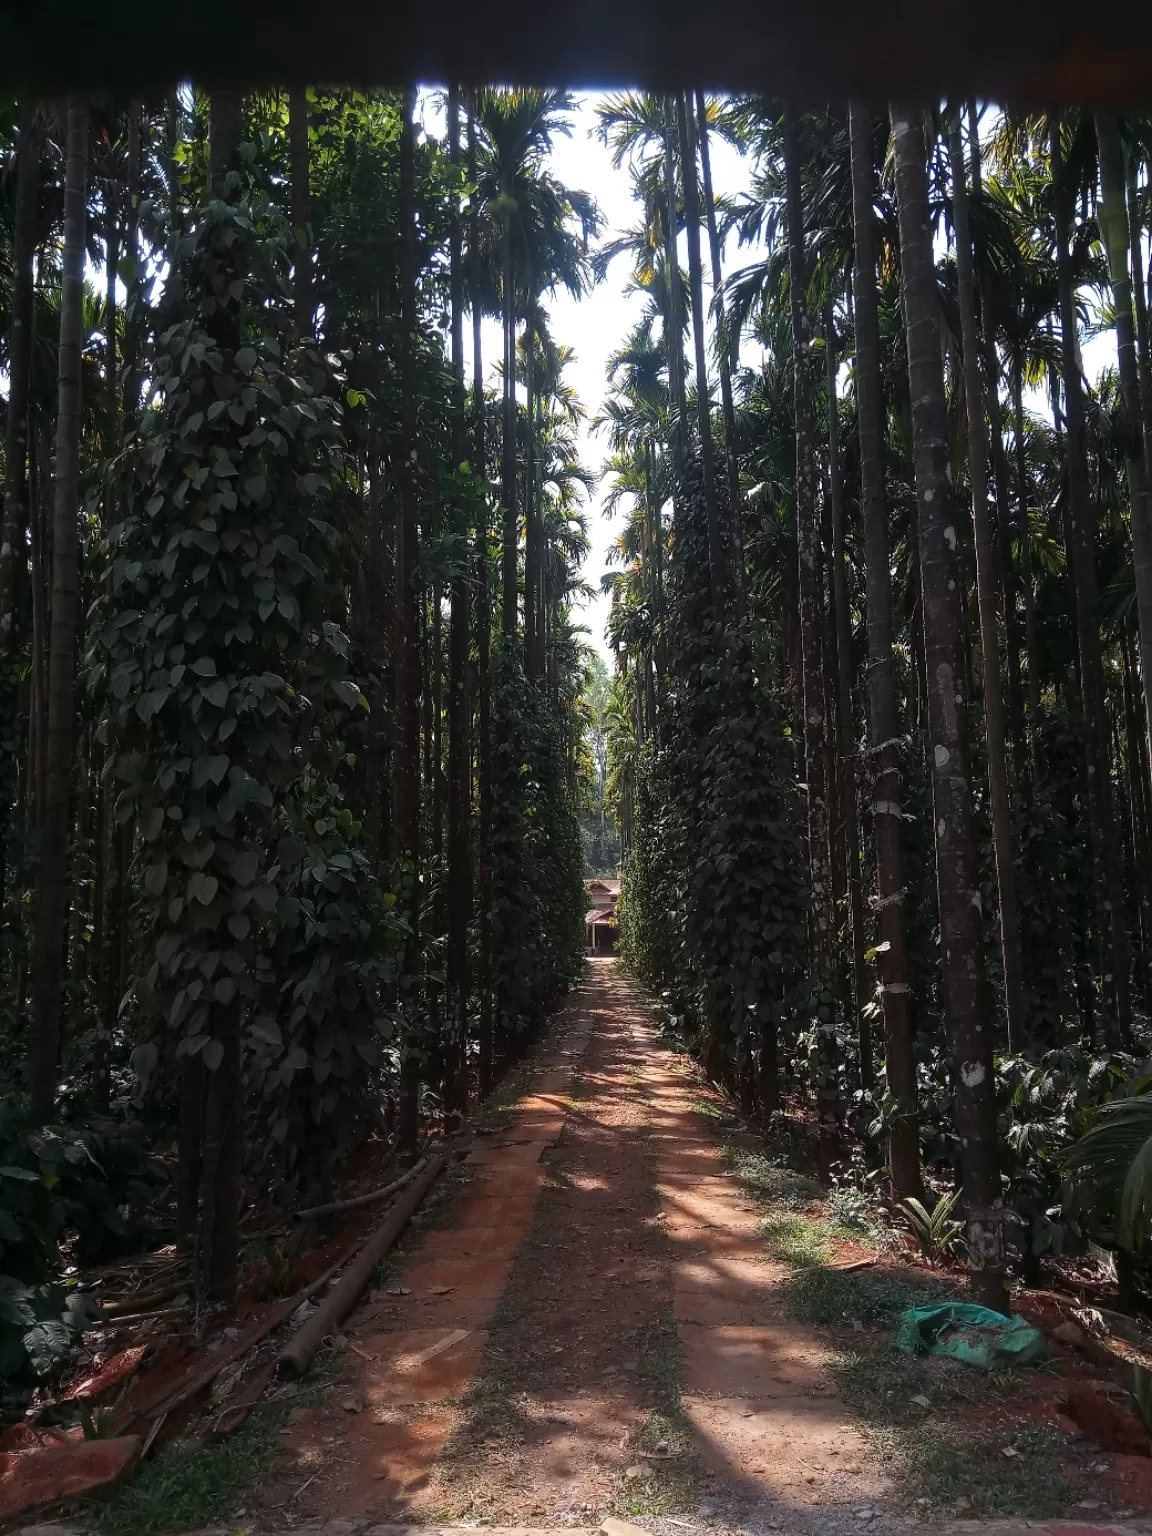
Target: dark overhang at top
x,y
1036,52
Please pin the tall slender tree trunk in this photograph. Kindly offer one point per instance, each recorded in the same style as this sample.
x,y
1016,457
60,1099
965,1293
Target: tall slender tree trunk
x,y
509,561
820,924
1028,581
14,530
459,689
1135,758
1113,938
1004,572
1113,216
532,561
885,731
14,518
301,199
987,600
47,959
846,733
484,1041
219,1240
961,941
724,366
133,319
717,574
406,793
674,341
107,903
1140,300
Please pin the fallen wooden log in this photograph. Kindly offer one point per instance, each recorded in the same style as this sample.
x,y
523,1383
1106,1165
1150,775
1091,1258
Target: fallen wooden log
x,y
358,1202
238,1410
176,1397
144,1302
299,1353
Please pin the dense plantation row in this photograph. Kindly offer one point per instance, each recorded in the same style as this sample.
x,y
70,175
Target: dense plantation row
x,y
291,760
302,755
880,748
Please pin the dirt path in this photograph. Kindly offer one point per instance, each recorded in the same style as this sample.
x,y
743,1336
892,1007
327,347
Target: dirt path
x,y
592,1327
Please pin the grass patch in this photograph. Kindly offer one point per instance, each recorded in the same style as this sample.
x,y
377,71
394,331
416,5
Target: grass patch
x,y
769,1181
834,1296
967,1472
665,1486
795,1239
185,1488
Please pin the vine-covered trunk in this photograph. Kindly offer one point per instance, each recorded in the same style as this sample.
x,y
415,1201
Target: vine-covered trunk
x,y
724,365
532,560
961,941
484,1043
1113,218
47,959
459,692
1109,883
987,597
406,793
508,551
674,339
821,924
717,576
219,1159
301,199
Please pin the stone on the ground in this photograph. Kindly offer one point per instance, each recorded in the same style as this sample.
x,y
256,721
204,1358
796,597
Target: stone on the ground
x,y
38,1479
613,1527
1070,1333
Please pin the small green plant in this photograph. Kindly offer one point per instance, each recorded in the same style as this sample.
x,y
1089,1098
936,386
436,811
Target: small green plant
x,y
935,1235
848,1207
1141,1396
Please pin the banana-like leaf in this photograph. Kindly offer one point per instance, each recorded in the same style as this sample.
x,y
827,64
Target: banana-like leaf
x,y
1110,1169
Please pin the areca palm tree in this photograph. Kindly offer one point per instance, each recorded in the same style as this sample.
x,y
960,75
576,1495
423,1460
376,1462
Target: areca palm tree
x,y
51,907
956,866
540,229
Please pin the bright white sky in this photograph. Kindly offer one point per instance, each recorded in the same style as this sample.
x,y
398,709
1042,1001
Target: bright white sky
x,y
596,325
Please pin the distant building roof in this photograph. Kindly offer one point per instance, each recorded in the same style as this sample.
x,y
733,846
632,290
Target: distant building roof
x,y
604,883
598,916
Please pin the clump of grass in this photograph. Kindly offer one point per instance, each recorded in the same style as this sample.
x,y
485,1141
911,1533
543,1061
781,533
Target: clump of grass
x,y
955,1470
876,1296
795,1239
183,1488
670,1485
769,1181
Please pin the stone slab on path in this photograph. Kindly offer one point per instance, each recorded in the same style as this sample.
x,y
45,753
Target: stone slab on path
x,y
751,1362
38,1479
793,1450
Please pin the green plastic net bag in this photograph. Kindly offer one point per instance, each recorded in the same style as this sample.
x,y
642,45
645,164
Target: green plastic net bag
x,y
973,1334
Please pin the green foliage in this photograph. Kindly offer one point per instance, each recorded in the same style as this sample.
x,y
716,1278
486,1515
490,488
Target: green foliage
x,y
187,1487
874,1296
537,858
713,902
1110,1168
229,696
935,1233
39,1325
62,1181
1141,1395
